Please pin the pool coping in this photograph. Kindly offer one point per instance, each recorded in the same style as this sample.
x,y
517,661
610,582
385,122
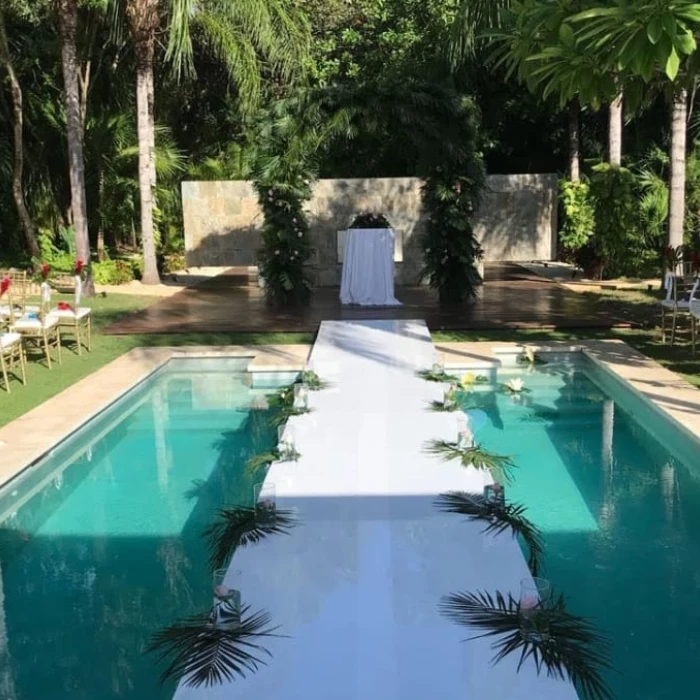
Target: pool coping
x,y
27,439
24,441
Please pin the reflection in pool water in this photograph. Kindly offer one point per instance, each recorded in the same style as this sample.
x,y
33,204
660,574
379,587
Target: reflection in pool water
x,y
110,549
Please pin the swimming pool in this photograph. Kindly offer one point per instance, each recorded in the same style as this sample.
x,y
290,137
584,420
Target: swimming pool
x,y
615,489
100,543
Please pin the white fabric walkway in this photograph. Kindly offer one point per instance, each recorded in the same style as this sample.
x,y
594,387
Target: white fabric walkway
x,y
356,585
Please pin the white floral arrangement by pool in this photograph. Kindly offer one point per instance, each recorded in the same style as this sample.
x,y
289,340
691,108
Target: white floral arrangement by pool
x,y
515,386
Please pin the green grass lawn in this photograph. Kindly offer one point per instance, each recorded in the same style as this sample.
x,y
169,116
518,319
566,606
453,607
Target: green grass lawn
x,y
43,383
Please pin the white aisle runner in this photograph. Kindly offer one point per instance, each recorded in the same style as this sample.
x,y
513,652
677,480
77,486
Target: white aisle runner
x,y
356,585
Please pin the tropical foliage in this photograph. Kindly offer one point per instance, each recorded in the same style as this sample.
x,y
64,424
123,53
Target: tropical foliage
x,y
500,466
205,653
497,519
437,375
240,526
452,191
169,90
571,648
578,215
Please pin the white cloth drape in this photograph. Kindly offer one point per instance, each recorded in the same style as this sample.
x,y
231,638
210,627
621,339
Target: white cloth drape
x,y
368,268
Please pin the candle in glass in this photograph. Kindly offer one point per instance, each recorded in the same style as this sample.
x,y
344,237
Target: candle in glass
x,y
227,600
465,437
494,494
439,366
301,396
450,396
265,495
285,445
535,596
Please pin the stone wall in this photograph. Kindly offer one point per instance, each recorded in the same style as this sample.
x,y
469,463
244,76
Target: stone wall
x,y
516,221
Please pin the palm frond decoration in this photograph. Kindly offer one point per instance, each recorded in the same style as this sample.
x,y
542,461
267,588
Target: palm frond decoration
x,y
313,381
241,526
500,466
282,416
282,398
264,458
282,405
530,357
430,375
566,646
498,519
442,407
261,460
205,652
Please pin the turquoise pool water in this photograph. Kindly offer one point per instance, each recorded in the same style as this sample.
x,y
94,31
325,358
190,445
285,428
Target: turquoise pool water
x,y
100,545
619,506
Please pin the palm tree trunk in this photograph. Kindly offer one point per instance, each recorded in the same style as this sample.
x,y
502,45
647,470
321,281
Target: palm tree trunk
x,y
615,131
18,133
68,23
152,142
144,76
101,218
143,20
677,171
574,147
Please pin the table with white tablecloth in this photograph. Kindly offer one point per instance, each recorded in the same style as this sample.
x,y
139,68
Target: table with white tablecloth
x,y
368,268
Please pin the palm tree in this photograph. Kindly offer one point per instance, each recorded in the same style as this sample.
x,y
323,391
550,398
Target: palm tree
x,y
18,134
537,45
144,20
656,42
676,210
615,131
241,33
68,24
535,42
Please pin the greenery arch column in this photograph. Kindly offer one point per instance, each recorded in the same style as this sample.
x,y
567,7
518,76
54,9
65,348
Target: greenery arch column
x,y
438,125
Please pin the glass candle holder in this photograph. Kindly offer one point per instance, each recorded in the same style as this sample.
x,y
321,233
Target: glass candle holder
x,y
465,437
264,495
301,396
226,612
462,421
439,365
535,599
450,397
285,445
495,495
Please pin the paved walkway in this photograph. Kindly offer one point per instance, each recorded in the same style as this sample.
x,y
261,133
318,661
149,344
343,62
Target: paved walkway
x,y
357,584
512,298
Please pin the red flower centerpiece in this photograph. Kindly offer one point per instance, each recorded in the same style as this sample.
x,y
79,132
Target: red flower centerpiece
x,y
45,271
79,265
4,285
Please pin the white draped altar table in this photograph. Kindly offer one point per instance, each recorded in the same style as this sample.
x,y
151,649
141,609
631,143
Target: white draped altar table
x,y
368,268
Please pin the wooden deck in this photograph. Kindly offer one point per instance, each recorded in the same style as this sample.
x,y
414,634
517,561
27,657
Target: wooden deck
x,y
511,298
